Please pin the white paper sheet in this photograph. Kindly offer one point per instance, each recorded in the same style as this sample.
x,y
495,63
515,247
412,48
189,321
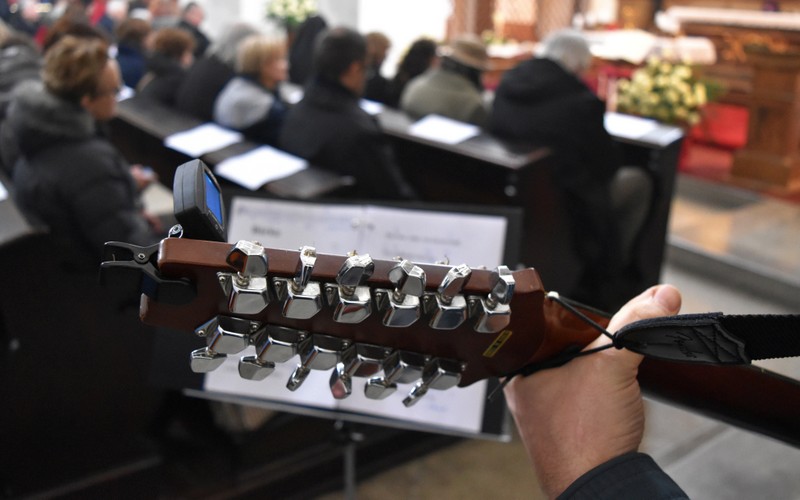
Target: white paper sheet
x,y
259,166
442,129
3,192
370,107
628,126
202,139
422,236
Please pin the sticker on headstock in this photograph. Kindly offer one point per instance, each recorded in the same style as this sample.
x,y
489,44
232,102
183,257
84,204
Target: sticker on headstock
x,y
497,344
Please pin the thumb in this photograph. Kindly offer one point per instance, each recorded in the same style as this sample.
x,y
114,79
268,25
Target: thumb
x,y
659,300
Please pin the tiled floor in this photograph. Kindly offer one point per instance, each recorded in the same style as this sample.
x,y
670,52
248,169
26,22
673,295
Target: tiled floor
x,y
730,251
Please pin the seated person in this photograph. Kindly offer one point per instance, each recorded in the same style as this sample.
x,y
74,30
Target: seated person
x,y
131,35
301,51
192,17
329,128
172,53
209,74
544,101
68,176
250,102
378,45
419,59
453,89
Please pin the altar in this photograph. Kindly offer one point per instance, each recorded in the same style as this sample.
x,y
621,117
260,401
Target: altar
x,y
759,65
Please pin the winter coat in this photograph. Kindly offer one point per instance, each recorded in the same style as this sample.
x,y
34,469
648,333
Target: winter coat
x,y
201,86
162,80
71,179
539,102
330,130
249,107
442,92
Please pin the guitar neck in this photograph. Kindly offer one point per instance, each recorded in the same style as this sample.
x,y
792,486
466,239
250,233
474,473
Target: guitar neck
x,y
537,329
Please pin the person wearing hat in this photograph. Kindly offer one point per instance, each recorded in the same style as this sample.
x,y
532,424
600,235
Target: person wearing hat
x,y
454,88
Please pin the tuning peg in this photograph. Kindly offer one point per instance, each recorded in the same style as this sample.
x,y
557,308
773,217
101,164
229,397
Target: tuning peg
x,y
401,367
224,335
277,344
360,360
439,374
321,352
403,306
451,308
247,288
495,313
302,299
352,302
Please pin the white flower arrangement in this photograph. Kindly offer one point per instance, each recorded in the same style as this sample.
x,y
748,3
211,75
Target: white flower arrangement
x,y
290,13
665,91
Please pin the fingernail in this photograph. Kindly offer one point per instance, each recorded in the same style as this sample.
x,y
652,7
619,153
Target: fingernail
x,y
668,297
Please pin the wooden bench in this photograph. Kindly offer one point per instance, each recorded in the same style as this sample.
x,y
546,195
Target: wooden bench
x,y
486,170
141,125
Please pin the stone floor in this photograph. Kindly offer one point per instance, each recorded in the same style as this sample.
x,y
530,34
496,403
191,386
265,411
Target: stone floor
x,y
730,251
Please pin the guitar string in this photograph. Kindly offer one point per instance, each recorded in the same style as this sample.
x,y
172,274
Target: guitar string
x,y
564,357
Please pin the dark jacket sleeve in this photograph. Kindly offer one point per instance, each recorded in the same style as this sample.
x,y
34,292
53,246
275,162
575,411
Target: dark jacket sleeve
x,y
104,203
631,476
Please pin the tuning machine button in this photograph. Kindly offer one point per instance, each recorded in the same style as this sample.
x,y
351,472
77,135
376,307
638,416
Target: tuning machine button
x,y
224,335
320,352
494,313
352,302
247,288
360,360
401,367
439,374
277,344
301,298
451,307
402,304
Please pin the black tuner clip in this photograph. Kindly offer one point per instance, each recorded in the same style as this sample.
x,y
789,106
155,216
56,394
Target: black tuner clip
x,y
128,271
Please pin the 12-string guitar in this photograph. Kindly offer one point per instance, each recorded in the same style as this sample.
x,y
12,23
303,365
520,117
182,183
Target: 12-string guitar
x,y
378,324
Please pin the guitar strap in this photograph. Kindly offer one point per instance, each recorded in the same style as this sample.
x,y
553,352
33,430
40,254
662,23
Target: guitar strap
x,y
713,338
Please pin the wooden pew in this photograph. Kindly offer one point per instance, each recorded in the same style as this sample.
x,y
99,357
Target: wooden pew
x,y
141,125
486,170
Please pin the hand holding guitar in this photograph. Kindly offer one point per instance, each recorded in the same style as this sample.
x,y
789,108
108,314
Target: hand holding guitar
x,y
578,416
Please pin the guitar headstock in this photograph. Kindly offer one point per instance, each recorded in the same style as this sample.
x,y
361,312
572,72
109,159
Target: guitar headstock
x,y
388,321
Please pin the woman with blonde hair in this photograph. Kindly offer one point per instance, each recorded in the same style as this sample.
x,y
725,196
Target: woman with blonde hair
x,y
250,102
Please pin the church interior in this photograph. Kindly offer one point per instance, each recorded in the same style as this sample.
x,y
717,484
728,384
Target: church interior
x,y
98,404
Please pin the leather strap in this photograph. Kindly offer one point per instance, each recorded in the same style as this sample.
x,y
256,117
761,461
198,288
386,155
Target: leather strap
x,y
713,338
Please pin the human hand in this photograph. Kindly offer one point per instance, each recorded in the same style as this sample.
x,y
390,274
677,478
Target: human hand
x,y
143,176
582,414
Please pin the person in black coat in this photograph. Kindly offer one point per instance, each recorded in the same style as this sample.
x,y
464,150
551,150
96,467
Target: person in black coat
x,y
131,35
329,128
172,54
69,177
209,75
543,101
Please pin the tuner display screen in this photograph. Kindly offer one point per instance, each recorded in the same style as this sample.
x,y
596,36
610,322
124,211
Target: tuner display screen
x,y
213,198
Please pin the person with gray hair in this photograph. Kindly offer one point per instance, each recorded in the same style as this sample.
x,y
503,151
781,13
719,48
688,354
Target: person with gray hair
x,y
543,101
569,49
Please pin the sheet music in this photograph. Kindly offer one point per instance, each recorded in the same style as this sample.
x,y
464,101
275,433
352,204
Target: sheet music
x,y
259,166
442,129
383,232
202,139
